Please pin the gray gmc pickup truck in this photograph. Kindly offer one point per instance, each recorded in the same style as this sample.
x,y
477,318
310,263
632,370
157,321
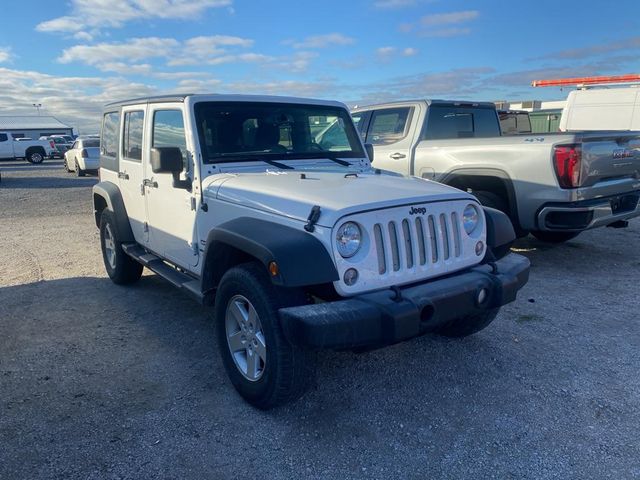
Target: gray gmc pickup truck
x,y
553,185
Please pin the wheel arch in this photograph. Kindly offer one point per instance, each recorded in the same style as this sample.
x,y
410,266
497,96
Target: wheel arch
x,y
301,258
35,148
486,179
107,195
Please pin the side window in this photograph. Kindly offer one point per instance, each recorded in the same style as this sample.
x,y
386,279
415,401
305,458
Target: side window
x,y
132,135
3,137
450,121
388,125
168,131
110,134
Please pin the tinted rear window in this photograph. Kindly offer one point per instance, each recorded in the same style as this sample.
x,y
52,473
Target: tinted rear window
x,y
450,121
91,143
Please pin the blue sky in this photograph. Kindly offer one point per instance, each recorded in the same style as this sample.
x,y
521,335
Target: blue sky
x,y
73,56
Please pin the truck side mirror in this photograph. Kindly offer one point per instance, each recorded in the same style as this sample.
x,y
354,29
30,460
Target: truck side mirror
x,y
369,148
169,160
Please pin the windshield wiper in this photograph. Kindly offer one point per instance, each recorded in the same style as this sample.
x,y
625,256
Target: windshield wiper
x,y
240,158
333,157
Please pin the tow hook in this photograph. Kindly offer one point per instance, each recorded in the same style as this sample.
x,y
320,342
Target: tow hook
x,y
619,224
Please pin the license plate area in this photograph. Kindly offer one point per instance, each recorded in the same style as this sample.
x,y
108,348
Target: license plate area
x,y
624,203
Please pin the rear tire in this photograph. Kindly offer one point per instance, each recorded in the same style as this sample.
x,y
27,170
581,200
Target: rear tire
x,y
35,157
465,326
491,200
66,166
79,172
554,237
121,268
272,371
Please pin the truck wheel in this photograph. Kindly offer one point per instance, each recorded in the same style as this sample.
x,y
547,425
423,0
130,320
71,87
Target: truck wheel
x,y
262,365
491,200
554,237
465,326
35,157
79,173
121,268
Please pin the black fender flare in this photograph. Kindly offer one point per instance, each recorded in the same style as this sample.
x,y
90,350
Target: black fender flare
x,y
301,258
478,174
500,232
110,194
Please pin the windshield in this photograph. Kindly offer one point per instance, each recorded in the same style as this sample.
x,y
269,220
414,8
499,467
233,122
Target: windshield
x,y
234,131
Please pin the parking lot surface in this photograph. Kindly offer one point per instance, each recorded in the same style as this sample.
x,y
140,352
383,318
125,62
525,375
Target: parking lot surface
x,y
99,381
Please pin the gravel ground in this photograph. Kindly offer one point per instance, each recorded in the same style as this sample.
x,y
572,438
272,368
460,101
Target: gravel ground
x,y
99,381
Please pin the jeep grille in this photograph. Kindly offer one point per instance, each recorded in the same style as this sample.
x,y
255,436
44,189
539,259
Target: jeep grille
x,y
417,241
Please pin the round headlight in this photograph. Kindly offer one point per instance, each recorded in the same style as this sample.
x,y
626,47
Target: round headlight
x,y
470,218
348,239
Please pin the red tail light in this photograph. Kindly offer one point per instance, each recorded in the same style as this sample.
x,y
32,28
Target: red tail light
x,y
567,159
84,153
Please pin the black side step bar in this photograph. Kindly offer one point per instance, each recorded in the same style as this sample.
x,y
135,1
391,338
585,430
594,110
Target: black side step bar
x,y
154,263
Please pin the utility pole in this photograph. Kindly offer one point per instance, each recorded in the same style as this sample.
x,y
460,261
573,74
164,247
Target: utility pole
x,y
37,105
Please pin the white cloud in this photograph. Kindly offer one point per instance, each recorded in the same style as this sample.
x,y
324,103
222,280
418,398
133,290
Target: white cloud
x,y
5,54
449,24
322,41
115,13
115,56
83,36
386,54
451,18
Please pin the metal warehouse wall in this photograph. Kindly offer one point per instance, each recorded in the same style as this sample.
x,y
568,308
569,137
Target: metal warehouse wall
x,y
35,134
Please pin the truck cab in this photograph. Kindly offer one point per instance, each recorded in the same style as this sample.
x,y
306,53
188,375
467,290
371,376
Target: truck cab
x,y
267,210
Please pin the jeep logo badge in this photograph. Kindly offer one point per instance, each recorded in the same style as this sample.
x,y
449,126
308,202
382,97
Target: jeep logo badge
x,y
417,210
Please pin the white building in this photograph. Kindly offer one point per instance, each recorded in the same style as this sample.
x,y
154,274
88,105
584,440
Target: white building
x,y
33,126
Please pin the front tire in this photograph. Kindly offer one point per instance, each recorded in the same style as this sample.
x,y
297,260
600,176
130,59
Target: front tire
x,y
121,268
554,237
465,326
262,365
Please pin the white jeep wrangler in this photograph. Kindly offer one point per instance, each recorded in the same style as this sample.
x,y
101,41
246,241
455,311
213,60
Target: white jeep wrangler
x,y
268,209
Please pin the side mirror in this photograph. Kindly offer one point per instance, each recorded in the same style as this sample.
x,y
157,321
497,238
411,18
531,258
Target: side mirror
x,y
369,148
166,160
169,160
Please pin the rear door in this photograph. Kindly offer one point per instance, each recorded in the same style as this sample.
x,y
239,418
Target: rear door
x,y
131,173
170,210
389,132
6,146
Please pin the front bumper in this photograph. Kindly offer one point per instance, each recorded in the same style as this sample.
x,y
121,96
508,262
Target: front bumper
x,y
381,318
587,214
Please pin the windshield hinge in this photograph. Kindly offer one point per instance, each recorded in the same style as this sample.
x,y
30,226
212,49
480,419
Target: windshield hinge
x,y
312,219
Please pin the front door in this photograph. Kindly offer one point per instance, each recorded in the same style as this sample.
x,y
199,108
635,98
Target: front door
x,y
130,172
389,133
170,210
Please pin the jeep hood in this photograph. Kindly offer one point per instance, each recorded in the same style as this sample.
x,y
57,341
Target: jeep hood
x,y
293,194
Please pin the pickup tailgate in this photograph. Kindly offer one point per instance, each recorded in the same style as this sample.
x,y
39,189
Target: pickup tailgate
x,y
609,155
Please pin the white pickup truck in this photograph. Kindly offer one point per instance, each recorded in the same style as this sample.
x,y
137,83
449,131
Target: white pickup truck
x,y
554,185
33,151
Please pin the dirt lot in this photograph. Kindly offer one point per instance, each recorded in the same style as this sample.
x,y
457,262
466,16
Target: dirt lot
x,y
99,381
